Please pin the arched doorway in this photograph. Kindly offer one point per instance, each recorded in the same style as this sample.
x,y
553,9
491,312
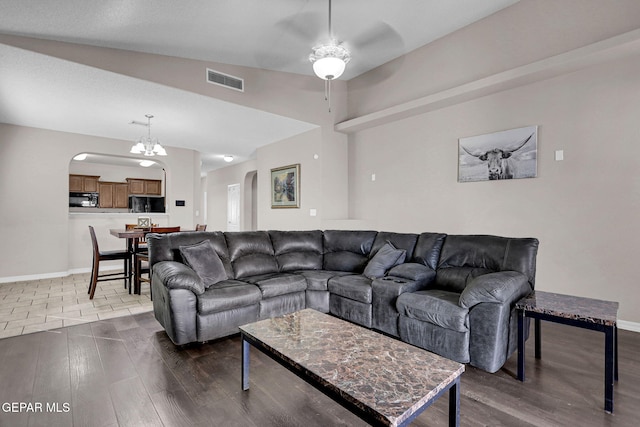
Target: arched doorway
x,y
250,210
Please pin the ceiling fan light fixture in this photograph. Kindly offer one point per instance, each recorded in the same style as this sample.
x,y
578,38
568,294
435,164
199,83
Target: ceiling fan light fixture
x,y
329,61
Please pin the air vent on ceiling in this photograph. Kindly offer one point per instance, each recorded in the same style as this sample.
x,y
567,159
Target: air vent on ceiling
x,y
218,78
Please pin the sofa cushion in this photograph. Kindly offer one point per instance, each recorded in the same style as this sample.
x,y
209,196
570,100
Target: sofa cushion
x,y
251,253
406,241
428,248
455,279
317,280
176,275
502,287
386,257
166,246
228,295
204,260
435,306
347,250
297,250
281,284
354,286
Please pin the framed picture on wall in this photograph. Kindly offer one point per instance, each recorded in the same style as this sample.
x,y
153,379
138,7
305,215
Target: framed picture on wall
x,y
509,154
285,187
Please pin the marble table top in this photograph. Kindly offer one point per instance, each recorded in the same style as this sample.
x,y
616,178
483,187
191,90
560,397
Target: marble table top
x,y
384,376
571,307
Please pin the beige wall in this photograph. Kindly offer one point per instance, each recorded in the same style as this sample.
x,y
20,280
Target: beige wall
x,y
528,31
39,236
217,183
584,209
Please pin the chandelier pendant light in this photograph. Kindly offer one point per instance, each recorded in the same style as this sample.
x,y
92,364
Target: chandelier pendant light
x,y
147,145
329,61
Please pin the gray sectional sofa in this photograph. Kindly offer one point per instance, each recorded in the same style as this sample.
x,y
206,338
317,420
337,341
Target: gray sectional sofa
x,y
453,295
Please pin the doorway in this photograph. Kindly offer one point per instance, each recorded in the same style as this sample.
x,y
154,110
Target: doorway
x,y
233,207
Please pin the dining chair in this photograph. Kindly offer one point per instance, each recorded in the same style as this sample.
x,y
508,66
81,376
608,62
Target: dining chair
x,y
141,262
98,256
201,227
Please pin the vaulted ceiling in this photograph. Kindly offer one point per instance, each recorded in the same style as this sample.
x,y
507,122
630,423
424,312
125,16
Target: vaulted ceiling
x,y
45,92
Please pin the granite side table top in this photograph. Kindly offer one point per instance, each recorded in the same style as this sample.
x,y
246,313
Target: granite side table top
x,y
388,376
571,307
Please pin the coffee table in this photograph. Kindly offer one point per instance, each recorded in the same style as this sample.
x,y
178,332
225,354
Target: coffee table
x,y
382,380
587,313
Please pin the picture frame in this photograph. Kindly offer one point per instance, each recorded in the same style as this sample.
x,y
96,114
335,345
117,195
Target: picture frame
x,y
285,187
509,154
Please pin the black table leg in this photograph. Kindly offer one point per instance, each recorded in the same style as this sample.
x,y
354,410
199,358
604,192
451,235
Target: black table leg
x,y
130,263
454,404
615,362
538,338
521,345
609,356
245,364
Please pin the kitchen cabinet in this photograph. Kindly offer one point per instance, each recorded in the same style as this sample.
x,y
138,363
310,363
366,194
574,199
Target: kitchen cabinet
x,y
113,195
151,187
120,195
83,183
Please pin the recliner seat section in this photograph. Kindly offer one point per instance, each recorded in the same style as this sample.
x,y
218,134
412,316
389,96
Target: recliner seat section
x,y
452,295
468,310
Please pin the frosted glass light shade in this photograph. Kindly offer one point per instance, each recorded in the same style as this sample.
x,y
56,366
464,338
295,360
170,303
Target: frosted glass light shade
x,y
329,68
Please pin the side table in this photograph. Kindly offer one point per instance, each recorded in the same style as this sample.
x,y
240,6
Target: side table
x,y
585,313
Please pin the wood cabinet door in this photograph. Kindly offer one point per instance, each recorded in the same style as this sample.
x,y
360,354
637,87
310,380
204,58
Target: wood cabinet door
x,y
153,187
90,184
136,186
120,195
76,183
105,190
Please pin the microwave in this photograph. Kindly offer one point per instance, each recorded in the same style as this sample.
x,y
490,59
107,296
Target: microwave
x,y
83,200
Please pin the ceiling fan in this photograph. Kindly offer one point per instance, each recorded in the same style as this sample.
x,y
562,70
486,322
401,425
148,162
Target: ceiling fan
x,y
364,46
329,60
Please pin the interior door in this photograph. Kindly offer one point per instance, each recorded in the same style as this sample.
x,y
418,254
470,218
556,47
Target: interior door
x,y
233,207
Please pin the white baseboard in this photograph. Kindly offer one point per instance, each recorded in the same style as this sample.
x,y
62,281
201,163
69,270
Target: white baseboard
x,y
55,275
629,326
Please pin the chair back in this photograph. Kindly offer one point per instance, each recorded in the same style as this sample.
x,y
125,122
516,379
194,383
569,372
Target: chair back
x,y
94,242
165,229
201,227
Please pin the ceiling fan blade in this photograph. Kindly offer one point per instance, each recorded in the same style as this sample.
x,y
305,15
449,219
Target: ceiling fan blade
x,y
380,36
306,27
294,37
379,44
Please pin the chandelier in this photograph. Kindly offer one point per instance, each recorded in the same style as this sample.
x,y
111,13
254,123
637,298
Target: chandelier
x,y
147,145
329,61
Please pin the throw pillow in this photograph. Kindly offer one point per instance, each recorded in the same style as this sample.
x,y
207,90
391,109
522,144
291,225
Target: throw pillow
x,y
386,257
204,260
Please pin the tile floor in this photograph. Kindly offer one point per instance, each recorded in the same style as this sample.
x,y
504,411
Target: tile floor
x,y
39,305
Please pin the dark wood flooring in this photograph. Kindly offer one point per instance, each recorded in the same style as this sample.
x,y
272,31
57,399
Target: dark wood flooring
x,y
126,372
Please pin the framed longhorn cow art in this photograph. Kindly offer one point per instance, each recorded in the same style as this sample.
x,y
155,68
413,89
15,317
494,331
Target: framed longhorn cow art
x,y
509,154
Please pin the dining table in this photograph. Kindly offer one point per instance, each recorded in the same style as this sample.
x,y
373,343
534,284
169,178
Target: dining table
x,y
133,237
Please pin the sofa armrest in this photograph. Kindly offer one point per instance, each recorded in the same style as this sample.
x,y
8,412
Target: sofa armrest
x,y
504,287
413,271
175,275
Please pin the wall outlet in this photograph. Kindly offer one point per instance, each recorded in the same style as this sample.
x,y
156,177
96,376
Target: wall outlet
x,y
313,212
373,177
559,155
